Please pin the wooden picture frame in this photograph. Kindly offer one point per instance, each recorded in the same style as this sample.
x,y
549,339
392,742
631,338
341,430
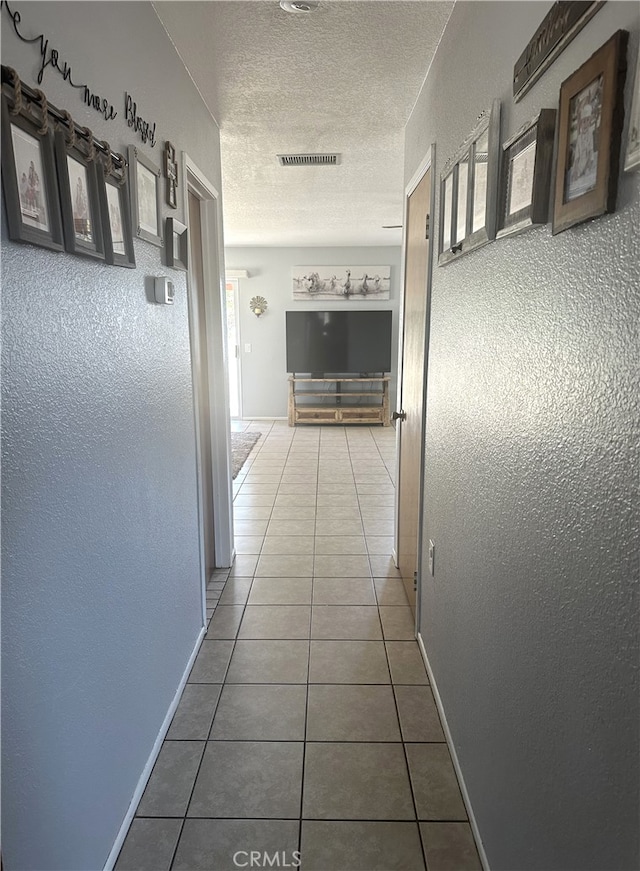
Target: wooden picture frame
x,y
146,200
29,179
589,132
525,178
79,199
176,244
113,192
632,157
469,190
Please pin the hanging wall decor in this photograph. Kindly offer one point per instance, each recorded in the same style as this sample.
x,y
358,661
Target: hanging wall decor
x,y
561,24
78,180
146,208
632,158
113,190
341,282
468,190
29,178
171,174
176,244
525,182
589,132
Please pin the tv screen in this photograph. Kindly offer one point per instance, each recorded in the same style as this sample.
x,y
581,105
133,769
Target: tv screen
x,y
339,342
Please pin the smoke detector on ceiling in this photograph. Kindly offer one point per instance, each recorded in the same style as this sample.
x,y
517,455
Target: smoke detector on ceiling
x,y
299,6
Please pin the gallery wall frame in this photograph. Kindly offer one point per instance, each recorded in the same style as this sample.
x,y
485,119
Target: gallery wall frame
x,y
590,120
29,178
632,157
525,176
113,194
146,199
469,189
176,244
79,199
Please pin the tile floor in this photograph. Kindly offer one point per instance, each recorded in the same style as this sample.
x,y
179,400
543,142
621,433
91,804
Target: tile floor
x,y
307,728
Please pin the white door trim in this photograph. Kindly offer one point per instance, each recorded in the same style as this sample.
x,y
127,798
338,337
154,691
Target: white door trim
x,y
215,324
427,162
237,361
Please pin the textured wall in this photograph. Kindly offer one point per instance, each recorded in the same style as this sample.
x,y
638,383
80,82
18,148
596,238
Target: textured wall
x,y
101,600
264,375
531,488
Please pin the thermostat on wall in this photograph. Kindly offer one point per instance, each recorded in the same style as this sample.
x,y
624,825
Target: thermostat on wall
x,y
164,290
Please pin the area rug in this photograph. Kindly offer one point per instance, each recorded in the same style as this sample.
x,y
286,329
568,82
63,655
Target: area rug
x,y
241,445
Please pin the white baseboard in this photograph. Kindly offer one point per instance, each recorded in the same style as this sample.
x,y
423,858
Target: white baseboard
x,y
454,757
151,761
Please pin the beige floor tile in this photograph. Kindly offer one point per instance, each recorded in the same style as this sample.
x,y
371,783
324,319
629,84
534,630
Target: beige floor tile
x,y
288,544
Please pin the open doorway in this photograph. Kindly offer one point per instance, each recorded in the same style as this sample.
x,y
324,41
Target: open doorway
x,y
209,372
233,347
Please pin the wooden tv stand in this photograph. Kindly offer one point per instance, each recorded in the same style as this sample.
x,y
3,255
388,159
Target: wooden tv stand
x,y
338,411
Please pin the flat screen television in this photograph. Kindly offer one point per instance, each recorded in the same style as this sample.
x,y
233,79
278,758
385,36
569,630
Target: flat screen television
x,y
339,342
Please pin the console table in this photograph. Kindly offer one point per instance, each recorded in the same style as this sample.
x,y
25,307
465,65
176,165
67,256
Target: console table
x,y
339,411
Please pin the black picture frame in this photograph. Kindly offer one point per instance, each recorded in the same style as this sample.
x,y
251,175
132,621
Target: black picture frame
x,y
469,190
525,178
113,195
79,199
29,179
590,121
146,199
176,240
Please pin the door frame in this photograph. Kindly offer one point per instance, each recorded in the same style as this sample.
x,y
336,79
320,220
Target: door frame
x,y
427,163
215,329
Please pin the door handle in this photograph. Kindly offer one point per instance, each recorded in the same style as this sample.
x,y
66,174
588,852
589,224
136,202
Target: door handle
x,y
399,415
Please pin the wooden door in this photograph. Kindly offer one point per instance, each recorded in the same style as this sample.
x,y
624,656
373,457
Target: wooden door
x,y
200,369
410,424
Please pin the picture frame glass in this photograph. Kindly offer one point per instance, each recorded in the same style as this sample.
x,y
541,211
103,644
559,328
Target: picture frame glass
x,y
79,187
585,115
147,200
447,212
116,222
34,208
520,179
463,187
481,166
176,247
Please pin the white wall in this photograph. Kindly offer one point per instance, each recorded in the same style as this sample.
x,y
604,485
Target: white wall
x,y
264,375
101,599
531,487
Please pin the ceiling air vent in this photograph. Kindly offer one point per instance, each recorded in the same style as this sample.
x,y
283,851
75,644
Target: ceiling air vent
x,y
309,159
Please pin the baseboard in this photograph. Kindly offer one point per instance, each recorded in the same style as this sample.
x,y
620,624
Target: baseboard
x,y
454,757
151,761
253,417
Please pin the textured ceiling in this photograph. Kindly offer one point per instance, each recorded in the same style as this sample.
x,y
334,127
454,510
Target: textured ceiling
x,y
344,78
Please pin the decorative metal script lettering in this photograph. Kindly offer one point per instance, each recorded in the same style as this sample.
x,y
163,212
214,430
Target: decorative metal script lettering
x,y
146,130
50,57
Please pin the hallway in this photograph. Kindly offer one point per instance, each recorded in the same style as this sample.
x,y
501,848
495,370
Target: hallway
x,y
307,726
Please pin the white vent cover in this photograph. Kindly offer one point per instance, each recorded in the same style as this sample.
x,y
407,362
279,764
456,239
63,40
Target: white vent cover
x,y
309,159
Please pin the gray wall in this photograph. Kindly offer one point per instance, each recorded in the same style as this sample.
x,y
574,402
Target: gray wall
x,y
531,487
101,600
264,376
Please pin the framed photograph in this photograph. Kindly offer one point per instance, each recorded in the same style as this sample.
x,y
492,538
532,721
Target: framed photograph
x,y
29,180
113,194
632,158
469,188
78,181
176,242
525,181
589,133
146,208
